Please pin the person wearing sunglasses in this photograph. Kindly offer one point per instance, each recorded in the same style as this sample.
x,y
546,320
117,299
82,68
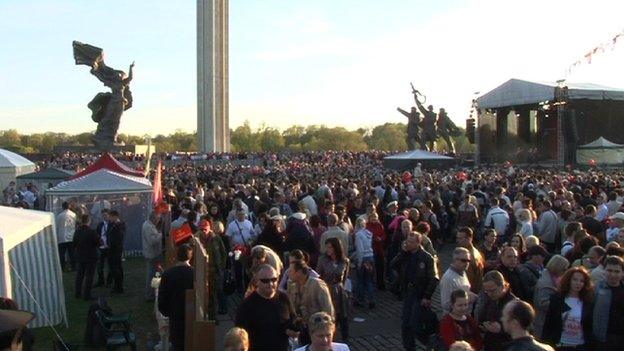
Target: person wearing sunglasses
x,y
455,278
322,329
267,314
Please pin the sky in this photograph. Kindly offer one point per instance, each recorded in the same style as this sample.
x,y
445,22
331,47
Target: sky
x,y
333,62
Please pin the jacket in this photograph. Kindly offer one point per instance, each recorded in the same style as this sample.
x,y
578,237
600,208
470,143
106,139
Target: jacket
x,y
602,306
547,227
312,297
554,323
492,311
450,331
335,232
172,291
116,233
152,240
527,343
420,272
86,242
544,289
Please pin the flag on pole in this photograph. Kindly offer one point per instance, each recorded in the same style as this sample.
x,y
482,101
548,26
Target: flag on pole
x,y
159,205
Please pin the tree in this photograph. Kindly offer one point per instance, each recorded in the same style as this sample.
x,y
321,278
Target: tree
x,y
243,139
388,136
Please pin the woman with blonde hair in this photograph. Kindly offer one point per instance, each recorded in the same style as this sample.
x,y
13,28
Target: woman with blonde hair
x,y
236,339
322,328
525,223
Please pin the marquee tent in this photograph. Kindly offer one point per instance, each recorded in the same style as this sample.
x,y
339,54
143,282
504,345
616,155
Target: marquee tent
x,y
517,92
409,160
131,196
13,165
106,161
602,151
29,264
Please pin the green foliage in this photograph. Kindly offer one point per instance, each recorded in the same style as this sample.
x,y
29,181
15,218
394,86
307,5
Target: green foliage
x,y
389,136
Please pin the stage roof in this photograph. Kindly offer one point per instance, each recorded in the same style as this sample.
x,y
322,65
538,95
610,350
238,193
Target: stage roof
x,y
516,92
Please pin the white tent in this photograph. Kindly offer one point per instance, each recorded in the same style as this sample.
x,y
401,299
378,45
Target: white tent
x,y
12,165
29,264
602,151
131,196
517,92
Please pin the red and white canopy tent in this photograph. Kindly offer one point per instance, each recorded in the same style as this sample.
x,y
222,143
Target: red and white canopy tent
x,y
108,183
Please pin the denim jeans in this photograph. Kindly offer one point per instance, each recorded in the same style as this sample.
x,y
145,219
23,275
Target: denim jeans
x,y
364,282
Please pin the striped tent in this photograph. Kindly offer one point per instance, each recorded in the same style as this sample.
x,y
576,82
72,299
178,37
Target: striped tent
x,y
30,271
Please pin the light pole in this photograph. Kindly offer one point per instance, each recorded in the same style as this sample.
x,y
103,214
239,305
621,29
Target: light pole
x,y
475,110
561,92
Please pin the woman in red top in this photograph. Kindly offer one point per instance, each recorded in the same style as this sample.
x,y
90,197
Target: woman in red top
x,y
379,247
458,324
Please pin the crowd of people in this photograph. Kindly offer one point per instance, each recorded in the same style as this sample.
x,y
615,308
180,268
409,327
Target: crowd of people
x,y
319,232
537,254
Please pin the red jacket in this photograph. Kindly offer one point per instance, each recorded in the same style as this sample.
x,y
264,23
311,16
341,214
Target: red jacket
x,y
379,237
451,331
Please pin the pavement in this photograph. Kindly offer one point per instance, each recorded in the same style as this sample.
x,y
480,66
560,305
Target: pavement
x,y
380,328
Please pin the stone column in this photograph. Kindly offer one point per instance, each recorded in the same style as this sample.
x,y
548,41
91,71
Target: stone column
x,y
213,130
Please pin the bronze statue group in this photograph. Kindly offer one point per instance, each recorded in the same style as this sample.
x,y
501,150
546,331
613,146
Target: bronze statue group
x,y
425,131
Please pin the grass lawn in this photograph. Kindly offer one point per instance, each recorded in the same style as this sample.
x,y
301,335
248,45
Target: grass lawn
x,y
143,320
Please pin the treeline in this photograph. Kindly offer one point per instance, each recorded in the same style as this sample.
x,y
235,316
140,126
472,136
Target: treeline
x,y
388,136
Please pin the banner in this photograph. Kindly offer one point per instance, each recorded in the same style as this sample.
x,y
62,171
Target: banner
x,y
608,45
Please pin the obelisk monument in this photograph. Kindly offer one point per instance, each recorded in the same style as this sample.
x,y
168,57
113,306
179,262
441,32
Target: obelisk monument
x,y
213,130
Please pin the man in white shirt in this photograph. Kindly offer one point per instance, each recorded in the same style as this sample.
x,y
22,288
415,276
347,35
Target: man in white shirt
x,y
152,251
497,218
65,228
455,278
240,231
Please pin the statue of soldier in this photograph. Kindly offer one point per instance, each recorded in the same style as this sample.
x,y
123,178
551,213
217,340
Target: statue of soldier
x,y
429,134
413,122
108,107
446,129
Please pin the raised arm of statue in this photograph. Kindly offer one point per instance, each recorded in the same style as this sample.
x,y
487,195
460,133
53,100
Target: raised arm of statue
x,y
405,113
128,79
419,105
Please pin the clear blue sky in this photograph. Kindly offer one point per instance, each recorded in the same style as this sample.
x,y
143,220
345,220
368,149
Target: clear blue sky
x,y
345,62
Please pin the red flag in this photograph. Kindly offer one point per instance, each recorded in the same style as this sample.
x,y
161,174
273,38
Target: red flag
x,y
157,195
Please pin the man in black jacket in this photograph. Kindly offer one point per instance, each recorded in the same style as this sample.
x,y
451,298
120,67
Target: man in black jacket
x,y
116,233
86,242
171,294
419,282
102,231
517,319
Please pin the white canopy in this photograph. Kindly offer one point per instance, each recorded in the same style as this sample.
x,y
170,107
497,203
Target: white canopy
x,y
29,264
601,143
102,181
12,165
129,195
516,92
